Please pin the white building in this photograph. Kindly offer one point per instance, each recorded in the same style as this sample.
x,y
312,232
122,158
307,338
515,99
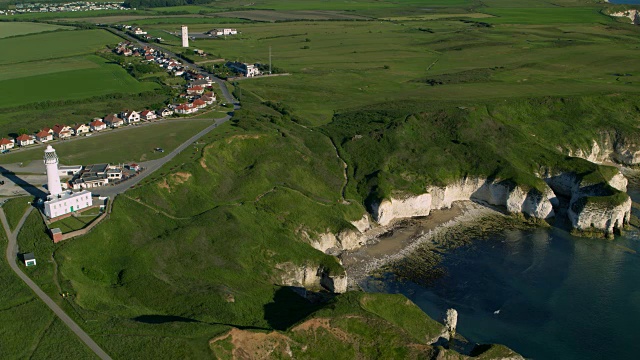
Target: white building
x,y
185,36
61,202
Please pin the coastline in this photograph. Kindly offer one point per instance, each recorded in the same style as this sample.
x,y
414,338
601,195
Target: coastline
x,y
404,237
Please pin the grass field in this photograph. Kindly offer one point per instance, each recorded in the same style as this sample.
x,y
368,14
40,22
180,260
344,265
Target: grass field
x,y
93,76
73,223
109,147
54,45
8,29
29,329
15,208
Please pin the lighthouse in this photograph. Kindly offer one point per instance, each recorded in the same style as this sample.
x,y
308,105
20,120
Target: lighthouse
x,y
53,178
60,202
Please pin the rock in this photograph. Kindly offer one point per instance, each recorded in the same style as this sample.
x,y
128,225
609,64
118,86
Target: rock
x,y
324,242
634,15
396,208
310,277
363,224
451,321
350,239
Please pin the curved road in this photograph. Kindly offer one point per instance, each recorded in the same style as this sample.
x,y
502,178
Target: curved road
x,y
12,254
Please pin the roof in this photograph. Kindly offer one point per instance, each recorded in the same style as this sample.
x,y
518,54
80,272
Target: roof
x,y
96,123
56,231
197,88
46,129
111,118
30,256
5,141
146,112
42,134
76,127
23,137
58,128
199,102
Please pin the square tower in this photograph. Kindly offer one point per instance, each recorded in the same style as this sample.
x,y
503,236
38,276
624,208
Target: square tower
x,y
185,36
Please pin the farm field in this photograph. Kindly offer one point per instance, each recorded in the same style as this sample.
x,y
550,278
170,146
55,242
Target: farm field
x,y
340,65
93,76
54,45
140,143
8,29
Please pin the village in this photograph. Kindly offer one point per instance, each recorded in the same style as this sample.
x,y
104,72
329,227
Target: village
x,y
23,8
198,95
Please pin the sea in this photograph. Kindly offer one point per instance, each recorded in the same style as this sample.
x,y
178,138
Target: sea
x,y
629,2
542,292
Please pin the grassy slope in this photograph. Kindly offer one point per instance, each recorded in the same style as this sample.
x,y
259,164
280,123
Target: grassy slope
x,y
435,143
15,208
29,329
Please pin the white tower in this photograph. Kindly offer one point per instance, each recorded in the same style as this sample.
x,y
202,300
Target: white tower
x,y
185,36
53,179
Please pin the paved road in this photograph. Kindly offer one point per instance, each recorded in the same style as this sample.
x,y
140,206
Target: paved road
x,y
12,254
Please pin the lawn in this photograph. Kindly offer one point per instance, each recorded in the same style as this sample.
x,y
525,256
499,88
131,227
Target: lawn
x,y
15,208
8,29
73,223
543,16
94,76
140,143
54,45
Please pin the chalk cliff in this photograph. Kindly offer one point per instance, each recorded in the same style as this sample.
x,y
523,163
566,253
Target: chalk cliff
x,y
609,147
532,202
592,207
633,15
312,277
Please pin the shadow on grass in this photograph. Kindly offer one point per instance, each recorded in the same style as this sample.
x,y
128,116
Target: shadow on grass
x,y
288,308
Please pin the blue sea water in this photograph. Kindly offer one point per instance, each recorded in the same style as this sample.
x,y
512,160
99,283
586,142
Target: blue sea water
x,y
630,2
542,292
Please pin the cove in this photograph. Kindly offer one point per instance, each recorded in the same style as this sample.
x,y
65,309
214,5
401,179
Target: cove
x,y
542,292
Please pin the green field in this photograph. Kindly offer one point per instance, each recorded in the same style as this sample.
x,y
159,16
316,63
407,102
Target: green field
x,y
29,329
73,223
93,76
140,144
8,29
54,45
15,208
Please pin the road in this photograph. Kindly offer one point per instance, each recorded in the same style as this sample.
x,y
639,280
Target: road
x,y
12,254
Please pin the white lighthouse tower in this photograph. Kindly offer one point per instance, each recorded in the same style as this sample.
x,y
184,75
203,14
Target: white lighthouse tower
x,y
53,178
61,202
185,36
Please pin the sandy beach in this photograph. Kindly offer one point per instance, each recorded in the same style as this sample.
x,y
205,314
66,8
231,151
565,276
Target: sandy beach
x,y
403,237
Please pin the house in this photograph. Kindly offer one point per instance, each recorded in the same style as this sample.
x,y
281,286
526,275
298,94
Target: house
x,y
80,129
222,32
199,103
130,116
135,167
29,259
247,70
24,140
139,31
208,98
148,115
186,109
6,144
97,125
202,82
165,112
149,58
113,121
195,90
49,130
44,136
62,131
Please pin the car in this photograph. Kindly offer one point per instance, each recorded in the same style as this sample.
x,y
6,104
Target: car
x,y
6,151
159,149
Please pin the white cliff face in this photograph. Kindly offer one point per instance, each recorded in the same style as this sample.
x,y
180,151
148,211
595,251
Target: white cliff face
x,y
363,224
324,242
608,148
598,217
310,277
515,199
633,15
